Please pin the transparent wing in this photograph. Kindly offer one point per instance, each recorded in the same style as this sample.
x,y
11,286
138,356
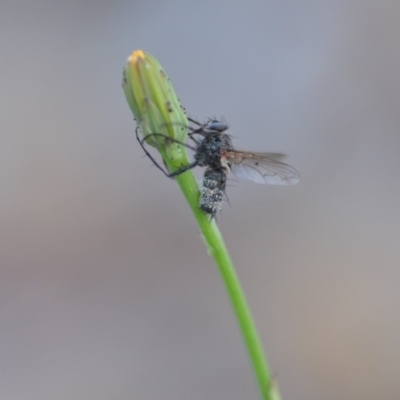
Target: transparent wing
x,y
271,156
261,167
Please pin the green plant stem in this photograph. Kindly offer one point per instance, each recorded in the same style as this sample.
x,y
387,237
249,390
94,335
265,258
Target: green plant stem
x,y
217,249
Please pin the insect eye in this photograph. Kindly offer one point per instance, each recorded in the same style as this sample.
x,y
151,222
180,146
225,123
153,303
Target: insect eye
x,y
217,126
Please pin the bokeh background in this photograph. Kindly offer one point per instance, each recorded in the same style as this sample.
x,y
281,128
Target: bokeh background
x,y
106,289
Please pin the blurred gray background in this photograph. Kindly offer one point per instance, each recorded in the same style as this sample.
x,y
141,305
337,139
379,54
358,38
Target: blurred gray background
x,y
106,289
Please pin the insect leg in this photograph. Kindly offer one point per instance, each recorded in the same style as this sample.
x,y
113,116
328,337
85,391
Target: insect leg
x,y
198,131
169,175
191,137
184,169
148,154
194,122
168,139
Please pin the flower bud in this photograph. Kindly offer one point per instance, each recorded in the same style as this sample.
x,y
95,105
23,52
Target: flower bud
x,y
153,102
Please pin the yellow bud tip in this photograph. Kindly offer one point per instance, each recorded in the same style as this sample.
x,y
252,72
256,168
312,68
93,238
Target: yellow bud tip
x,y
137,55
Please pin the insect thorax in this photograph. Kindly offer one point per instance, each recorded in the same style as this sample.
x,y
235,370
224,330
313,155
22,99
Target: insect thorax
x,y
209,151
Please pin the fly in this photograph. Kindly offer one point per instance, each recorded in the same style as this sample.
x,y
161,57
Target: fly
x,y
215,151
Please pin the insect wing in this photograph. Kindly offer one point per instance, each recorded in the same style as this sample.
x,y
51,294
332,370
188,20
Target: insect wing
x,y
271,156
262,168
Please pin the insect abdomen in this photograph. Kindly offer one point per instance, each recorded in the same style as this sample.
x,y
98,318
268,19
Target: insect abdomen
x,y
213,190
